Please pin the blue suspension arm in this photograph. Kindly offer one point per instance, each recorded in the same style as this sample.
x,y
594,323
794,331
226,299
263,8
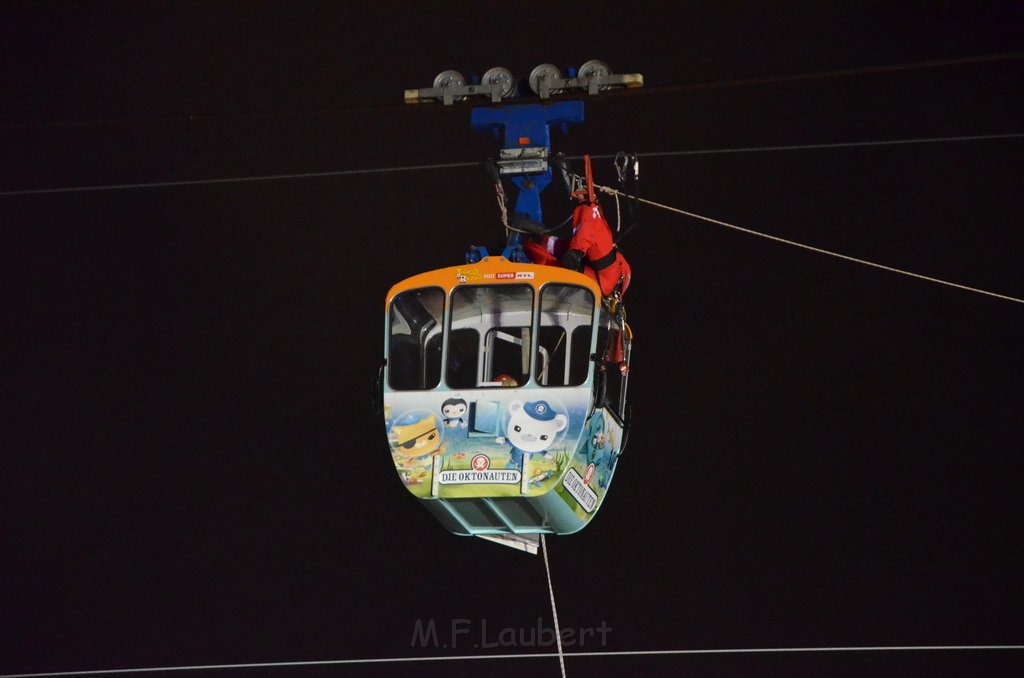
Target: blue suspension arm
x,y
527,130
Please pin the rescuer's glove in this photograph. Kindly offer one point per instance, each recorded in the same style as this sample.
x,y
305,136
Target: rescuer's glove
x,y
573,259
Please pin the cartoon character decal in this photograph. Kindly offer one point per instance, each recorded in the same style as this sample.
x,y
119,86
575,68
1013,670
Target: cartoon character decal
x,y
594,441
416,442
531,429
454,412
542,440
599,448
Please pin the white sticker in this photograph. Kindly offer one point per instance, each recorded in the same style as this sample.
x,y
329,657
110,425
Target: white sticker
x,y
575,486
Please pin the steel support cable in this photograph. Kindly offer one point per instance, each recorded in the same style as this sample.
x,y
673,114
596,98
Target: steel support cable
x,y
817,147
646,91
452,165
531,655
239,180
835,73
459,165
812,248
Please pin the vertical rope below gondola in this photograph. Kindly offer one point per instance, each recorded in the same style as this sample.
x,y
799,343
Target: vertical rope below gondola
x,y
554,610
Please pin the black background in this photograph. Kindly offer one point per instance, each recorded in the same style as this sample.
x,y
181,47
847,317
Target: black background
x,y
823,454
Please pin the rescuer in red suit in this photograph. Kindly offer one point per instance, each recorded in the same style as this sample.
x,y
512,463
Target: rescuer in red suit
x,y
591,250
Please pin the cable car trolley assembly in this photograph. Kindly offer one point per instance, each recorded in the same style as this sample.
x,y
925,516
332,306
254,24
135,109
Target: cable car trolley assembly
x,y
503,389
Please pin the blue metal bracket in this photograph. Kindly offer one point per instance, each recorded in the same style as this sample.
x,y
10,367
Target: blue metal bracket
x,y
527,126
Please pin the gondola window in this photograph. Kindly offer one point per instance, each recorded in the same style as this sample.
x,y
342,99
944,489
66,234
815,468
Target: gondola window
x,y
490,335
563,350
414,339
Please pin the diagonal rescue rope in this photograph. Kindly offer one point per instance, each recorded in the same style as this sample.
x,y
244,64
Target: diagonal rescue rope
x,y
818,250
554,610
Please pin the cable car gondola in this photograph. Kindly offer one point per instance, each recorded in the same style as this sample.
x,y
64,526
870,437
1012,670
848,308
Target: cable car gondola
x,y
502,415
504,384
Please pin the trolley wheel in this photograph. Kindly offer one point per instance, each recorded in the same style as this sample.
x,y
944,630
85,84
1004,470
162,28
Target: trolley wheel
x,y
450,78
544,72
594,68
504,78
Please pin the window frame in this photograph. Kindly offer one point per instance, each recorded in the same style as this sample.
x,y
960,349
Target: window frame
x,y
486,334
427,336
568,331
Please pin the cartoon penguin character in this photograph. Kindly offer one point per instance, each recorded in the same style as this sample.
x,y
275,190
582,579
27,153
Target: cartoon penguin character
x,y
531,429
454,411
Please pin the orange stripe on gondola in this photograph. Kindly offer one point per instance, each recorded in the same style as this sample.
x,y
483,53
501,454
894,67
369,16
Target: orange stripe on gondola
x,y
495,270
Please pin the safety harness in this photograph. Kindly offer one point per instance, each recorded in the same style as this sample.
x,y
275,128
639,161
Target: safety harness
x,y
605,261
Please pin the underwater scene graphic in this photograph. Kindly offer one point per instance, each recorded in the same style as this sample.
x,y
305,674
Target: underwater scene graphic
x,y
498,442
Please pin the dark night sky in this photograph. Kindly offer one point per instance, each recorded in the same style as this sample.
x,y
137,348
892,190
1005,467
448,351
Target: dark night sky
x,y
823,454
